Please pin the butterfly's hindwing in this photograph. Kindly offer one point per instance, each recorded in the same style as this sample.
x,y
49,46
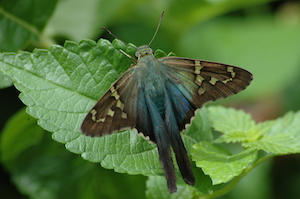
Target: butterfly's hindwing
x,y
144,122
181,105
176,109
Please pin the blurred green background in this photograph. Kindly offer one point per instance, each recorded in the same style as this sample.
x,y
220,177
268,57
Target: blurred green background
x,y
262,36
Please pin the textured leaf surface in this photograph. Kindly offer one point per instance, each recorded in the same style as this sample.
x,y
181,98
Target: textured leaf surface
x,y
280,136
218,164
236,125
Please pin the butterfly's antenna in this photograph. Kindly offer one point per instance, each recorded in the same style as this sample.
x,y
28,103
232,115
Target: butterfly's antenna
x,y
157,28
116,36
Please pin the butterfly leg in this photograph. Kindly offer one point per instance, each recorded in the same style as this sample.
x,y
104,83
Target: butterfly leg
x,y
170,53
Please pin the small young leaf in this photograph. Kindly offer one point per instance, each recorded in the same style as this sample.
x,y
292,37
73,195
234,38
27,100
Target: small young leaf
x,y
281,136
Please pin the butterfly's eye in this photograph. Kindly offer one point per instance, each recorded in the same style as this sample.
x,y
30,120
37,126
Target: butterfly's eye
x,y
143,51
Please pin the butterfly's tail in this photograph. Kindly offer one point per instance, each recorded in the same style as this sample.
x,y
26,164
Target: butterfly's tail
x,y
164,151
182,159
162,141
177,144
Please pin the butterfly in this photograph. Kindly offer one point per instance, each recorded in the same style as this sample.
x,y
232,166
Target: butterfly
x,y
158,97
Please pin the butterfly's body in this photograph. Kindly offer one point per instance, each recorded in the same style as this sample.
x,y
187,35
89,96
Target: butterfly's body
x,y
156,118
158,97
150,74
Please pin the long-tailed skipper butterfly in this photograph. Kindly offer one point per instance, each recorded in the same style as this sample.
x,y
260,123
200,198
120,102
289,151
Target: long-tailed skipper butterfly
x,y
159,97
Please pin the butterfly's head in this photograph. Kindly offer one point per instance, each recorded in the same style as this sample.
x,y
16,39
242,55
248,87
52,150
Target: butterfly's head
x,y
143,51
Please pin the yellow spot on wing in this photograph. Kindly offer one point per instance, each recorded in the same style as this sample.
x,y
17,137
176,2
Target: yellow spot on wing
x,y
124,115
213,80
230,69
198,67
227,80
101,120
201,91
116,95
112,89
199,80
120,105
93,112
111,113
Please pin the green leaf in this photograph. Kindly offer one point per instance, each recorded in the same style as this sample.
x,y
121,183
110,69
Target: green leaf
x,y
21,22
237,126
281,136
42,168
218,164
124,152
